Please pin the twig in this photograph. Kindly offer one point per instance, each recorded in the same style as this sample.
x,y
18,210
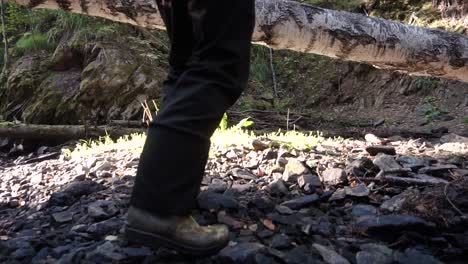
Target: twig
x,y
155,106
144,116
413,19
147,113
450,201
5,40
297,119
287,121
273,74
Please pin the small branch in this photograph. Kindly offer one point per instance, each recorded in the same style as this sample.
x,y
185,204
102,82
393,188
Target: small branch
x,y
450,201
297,119
146,113
125,123
155,106
273,74
5,40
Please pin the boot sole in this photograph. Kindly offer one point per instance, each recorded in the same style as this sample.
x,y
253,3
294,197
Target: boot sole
x,y
155,241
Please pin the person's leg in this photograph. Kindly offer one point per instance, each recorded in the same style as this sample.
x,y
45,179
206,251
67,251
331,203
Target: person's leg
x,y
175,154
178,28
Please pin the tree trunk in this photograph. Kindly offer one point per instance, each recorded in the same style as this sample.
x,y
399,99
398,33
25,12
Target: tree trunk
x,y
291,25
23,131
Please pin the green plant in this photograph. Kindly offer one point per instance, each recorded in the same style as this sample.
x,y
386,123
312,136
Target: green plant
x,y
32,43
223,125
426,84
260,73
433,113
282,104
465,120
430,99
244,123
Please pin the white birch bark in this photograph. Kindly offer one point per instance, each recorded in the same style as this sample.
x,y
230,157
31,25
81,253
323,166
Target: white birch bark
x,y
291,25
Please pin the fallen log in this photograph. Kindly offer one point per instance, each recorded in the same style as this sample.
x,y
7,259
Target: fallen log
x,y
295,26
62,132
126,123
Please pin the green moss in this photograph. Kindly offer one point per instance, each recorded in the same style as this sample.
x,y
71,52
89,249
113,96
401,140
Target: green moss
x,y
6,124
32,43
43,109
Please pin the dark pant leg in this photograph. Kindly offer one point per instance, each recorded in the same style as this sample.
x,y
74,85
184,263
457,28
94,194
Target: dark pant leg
x,y
175,154
179,31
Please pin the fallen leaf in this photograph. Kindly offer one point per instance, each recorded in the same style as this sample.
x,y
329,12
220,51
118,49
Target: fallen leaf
x,y
268,224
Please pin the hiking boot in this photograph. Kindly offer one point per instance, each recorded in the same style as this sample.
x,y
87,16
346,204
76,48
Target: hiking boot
x,y
181,233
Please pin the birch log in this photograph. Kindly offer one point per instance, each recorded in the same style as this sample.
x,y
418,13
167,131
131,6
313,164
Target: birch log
x,y
291,25
62,132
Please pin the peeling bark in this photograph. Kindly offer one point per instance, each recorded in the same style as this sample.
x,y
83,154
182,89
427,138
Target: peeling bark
x,y
291,25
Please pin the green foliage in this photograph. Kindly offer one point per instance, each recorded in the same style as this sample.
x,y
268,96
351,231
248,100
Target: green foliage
x,y
34,30
83,28
17,19
430,99
426,84
282,105
260,72
223,125
433,113
244,123
32,43
465,120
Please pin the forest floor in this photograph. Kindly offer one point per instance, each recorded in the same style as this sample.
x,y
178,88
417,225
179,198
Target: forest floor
x,y
368,200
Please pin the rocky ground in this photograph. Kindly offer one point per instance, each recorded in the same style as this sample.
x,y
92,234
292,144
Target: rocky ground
x,y
366,201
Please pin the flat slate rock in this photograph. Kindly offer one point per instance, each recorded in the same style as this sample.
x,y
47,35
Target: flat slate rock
x,y
240,253
363,210
300,255
374,253
437,170
411,162
281,241
310,179
360,167
393,223
294,169
301,202
374,150
412,255
63,217
386,162
329,255
212,200
359,191
338,195
334,176
395,203
243,174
